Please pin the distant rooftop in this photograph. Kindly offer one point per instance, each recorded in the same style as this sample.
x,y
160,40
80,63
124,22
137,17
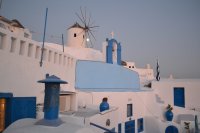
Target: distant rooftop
x,y
13,22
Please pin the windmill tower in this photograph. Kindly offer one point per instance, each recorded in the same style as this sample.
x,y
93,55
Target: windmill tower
x,y
76,36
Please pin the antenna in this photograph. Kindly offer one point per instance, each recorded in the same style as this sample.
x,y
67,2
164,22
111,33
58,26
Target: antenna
x,y
63,43
88,27
42,49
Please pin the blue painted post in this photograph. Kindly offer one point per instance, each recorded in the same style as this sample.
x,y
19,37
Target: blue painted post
x,y
109,53
51,100
119,54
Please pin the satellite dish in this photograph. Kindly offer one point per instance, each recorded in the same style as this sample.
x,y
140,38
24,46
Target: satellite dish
x,y
88,27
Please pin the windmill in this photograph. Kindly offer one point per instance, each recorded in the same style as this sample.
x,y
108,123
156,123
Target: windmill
x,y
88,27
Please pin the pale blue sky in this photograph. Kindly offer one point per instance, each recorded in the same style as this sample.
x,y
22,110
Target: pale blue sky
x,y
147,29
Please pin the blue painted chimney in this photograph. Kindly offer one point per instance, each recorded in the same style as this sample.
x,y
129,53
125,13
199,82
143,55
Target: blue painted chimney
x,y
51,99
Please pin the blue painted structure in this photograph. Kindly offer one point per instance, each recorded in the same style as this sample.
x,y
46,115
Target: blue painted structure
x,y
179,96
130,126
51,100
109,50
119,128
20,107
5,95
171,129
100,76
140,125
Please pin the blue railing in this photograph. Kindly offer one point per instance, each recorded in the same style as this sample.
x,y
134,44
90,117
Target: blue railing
x,y
103,128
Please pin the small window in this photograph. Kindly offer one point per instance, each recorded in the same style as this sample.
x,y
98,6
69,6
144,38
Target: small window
x,y
44,54
50,56
22,48
2,41
13,44
60,58
74,34
55,58
140,125
30,50
37,52
129,110
26,35
64,60
129,66
132,66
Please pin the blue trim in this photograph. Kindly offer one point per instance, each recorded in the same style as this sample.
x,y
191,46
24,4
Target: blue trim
x,y
5,95
140,125
109,52
103,128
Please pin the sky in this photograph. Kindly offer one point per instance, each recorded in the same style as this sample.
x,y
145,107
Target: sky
x,y
167,30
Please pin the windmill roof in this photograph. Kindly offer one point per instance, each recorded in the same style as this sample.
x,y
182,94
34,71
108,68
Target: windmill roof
x,y
76,25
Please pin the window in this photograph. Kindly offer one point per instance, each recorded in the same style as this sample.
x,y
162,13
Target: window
x,y
140,125
55,58
50,56
13,44
119,128
30,50
129,66
2,41
74,34
37,52
64,60
129,110
179,96
26,35
22,48
44,54
60,58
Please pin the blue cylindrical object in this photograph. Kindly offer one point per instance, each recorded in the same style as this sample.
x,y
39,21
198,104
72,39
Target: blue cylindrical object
x,y
51,99
104,106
